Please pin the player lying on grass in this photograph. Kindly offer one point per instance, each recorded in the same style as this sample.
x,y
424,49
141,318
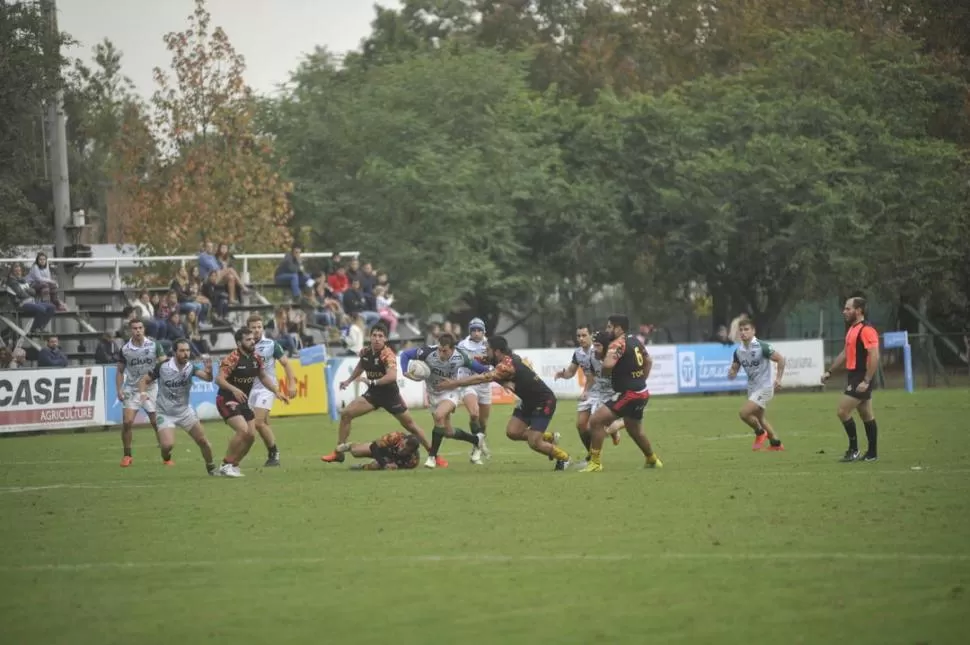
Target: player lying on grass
x,y
393,451
756,357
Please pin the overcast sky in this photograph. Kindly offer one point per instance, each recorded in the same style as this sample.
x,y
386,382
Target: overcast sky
x,y
273,35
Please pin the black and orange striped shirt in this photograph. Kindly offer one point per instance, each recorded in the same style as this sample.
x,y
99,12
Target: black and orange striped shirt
x,y
241,370
860,338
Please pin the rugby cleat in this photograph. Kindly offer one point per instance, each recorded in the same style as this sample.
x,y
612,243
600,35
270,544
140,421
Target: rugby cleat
x,y
869,457
430,463
592,467
228,470
168,462
440,462
775,447
272,460
850,456
759,441
486,453
333,458
653,461
126,461
562,464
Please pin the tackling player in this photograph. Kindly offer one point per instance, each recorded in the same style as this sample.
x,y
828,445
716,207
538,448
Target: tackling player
x,y
446,363
629,365
861,358
174,387
597,389
260,399
237,374
393,451
537,403
379,363
756,357
477,399
138,358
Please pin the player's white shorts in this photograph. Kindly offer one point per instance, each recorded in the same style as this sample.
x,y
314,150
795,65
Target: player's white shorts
x,y
434,398
761,397
186,419
592,402
261,398
133,400
482,391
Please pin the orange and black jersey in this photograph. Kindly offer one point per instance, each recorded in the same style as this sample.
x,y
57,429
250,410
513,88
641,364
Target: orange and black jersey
x,y
391,448
859,339
629,373
529,386
377,363
241,370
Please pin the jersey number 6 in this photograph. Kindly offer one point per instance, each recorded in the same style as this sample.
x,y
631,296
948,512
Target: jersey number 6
x,y
639,355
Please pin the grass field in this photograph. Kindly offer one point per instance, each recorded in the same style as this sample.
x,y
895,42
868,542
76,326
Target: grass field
x,y
721,546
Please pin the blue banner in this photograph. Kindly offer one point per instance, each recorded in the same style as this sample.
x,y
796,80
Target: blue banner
x,y
704,368
313,355
203,399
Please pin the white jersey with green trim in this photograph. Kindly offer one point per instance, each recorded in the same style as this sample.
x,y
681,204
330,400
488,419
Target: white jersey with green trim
x,y
270,351
755,358
140,360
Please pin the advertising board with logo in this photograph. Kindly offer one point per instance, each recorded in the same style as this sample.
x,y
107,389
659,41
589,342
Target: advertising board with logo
x,y
704,368
340,369
48,399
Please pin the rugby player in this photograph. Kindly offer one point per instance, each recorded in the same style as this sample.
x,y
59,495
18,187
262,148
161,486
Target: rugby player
x,y
446,362
629,365
174,387
756,357
537,403
588,357
861,358
237,374
379,362
138,358
260,399
393,451
478,399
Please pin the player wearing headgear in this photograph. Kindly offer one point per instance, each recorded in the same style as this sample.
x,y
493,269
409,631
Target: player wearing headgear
x,y
537,403
138,358
446,362
477,398
260,399
393,451
596,389
378,363
173,385
629,366
756,357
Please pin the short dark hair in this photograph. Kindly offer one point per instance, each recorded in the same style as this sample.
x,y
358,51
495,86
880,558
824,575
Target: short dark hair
x,y
254,318
446,340
181,341
620,320
603,338
585,326
135,321
381,327
858,302
744,321
500,344
241,333
296,247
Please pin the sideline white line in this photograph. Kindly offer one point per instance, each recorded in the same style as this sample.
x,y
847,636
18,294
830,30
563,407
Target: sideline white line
x,y
31,489
490,559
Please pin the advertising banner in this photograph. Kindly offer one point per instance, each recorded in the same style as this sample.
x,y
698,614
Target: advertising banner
x,y
704,368
340,369
52,398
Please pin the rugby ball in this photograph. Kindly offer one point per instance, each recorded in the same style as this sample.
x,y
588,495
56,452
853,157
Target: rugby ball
x,y
419,370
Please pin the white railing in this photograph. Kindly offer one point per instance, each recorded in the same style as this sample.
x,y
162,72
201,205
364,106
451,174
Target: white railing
x,y
182,259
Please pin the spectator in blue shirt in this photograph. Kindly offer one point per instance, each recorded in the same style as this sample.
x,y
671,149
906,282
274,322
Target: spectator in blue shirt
x,y
290,273
209,262
51,356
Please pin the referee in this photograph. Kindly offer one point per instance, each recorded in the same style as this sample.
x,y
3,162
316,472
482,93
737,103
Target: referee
x,y
861,358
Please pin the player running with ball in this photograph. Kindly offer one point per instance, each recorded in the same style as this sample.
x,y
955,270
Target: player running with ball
x,y
756,357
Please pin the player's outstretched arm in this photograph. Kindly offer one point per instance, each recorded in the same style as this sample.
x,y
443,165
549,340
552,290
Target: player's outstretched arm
x,y
353,376
568,372
474,379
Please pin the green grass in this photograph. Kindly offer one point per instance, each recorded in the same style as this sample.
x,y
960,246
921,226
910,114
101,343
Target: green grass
x,y
721,546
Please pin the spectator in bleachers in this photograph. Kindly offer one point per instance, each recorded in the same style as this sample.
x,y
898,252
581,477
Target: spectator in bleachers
x,y
278,330
354,340
199,344
6,359
327,309
217,295
224,258
338,281
382,280
175,328
182,287
368,280
40,280
355,304
25,300
353,271
146,313
332,264
167,304
52,356
226,276
106,353
290,273
383,300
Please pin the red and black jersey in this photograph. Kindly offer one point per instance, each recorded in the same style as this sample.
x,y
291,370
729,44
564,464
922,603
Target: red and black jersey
x,y
241,370
376,365
392,446
529,386
629,373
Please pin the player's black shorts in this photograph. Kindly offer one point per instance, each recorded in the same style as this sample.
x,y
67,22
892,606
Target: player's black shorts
x,y
389,399
853,381
230,407
629,404
536,414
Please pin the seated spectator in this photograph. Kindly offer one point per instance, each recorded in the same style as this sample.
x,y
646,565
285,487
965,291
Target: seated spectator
x,y
355,304
382,281
182,287
6,359
277,330
353,271
199,345
332,264
217,296
40,280
224,258
167,305
290,273
327,308
338,282
368,280
23,298
176,329
52,356
106,353
146,313
384,309
354,340
209,263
